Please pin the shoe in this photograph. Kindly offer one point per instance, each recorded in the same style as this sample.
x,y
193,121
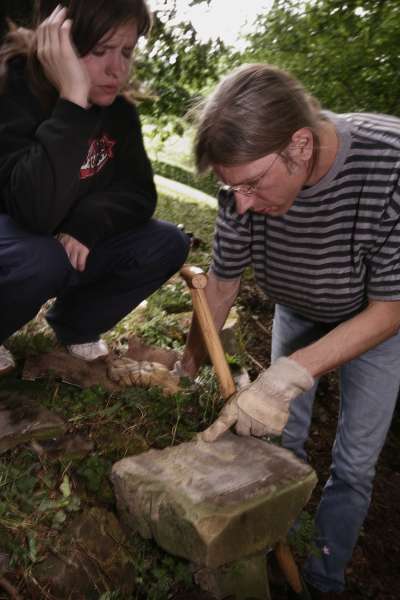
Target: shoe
x,y
7,362
90,351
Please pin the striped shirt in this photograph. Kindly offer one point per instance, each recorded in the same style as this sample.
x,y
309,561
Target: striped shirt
x,y
339,243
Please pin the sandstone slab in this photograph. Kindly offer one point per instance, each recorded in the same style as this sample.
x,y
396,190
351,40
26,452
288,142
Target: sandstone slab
x,y
213,503
88,560
22,420
241,579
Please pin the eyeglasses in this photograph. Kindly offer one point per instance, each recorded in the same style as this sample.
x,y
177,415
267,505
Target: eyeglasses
x,y
248,189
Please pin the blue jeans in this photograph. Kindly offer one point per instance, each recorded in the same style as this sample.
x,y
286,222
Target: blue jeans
x,y
120,272
369,387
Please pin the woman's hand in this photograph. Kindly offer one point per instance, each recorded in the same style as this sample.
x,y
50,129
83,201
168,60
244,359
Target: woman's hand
x,y
76,252
59,59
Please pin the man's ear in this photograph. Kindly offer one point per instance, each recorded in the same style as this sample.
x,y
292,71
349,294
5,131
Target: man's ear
x,y
302,145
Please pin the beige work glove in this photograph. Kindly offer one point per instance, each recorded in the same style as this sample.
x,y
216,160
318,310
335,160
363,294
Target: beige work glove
x,y
262,407
126,372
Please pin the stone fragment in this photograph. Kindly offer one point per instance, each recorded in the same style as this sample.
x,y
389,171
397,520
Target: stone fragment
x,y
213,503
138,350
229,333
71,446
69,369
241,579
88,560
22,420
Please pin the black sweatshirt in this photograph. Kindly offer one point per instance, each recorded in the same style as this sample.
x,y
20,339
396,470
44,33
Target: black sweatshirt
x,y
76,171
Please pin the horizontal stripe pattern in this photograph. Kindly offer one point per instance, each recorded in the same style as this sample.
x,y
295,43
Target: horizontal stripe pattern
x,y
339,244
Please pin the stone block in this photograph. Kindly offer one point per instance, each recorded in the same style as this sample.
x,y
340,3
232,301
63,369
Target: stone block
x,y
88,559
229,333
242,579
213,503
22,420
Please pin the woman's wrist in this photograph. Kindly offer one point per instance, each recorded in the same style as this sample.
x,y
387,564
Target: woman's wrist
x,y
79,98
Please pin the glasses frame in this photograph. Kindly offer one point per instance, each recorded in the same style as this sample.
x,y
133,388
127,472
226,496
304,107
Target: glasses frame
x,y
248,189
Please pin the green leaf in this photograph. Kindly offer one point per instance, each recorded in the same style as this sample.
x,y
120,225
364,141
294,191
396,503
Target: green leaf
x,y
65,487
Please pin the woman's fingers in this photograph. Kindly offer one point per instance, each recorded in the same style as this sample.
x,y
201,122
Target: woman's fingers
x,y
77,253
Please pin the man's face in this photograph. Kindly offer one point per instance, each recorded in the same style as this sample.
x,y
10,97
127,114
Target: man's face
x,y
108,63
270,184
267,186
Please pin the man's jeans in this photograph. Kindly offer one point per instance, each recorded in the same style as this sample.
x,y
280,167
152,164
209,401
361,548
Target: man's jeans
x,y
369,387
120,272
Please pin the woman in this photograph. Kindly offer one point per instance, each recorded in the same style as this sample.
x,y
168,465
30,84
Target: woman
x,y
76,187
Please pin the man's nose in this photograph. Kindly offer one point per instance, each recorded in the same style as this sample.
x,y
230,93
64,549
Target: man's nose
x,y
243,202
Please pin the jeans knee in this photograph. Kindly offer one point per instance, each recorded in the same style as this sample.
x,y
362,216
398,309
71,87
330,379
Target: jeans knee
x,y
360,479
176,246
41,265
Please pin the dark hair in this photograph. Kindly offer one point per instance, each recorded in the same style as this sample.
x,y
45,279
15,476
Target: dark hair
x,y
91,20
253,111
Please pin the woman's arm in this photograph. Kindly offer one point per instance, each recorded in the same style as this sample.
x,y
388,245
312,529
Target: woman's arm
x,y
375,324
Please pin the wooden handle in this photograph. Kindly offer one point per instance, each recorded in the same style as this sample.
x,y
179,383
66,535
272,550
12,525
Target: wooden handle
x,y
213,343
196,280
194,277
288,566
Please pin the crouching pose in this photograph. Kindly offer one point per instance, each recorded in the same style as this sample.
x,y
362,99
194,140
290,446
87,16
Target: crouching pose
x,y
76,187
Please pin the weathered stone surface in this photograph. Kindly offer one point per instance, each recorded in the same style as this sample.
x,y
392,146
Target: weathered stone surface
x,y
229,333
241,579
68,447
138,350
69,369
22,420
213,503
88,560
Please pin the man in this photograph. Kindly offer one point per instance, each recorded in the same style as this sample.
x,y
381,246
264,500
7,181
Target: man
x,y
311,200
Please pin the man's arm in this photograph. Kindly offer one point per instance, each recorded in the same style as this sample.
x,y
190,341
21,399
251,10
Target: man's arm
x,y
263,407
221,295
375,324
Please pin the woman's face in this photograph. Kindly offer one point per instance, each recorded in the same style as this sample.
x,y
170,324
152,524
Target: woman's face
x,y
108,63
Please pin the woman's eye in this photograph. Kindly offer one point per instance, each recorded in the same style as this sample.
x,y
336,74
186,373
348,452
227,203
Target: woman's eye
x,y
127,53
98,52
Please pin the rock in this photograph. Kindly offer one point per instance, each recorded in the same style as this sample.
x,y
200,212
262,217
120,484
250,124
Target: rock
x,y
88,560
137,350
213,503
69,369
229,333
71,446
241,579
22,420
74,371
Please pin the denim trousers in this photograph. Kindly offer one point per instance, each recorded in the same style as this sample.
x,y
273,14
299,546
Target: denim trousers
x,y
369,386
120,272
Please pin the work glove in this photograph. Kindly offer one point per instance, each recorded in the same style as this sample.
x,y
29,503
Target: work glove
x,y
262,407
126,372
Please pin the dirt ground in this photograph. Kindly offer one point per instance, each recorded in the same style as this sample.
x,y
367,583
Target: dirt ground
x,y
374,572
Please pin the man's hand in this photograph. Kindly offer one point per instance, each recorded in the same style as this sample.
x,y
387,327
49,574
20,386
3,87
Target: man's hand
x,y
60,61
76,252
262,407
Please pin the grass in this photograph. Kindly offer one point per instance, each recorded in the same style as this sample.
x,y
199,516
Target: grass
x,y
40,492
